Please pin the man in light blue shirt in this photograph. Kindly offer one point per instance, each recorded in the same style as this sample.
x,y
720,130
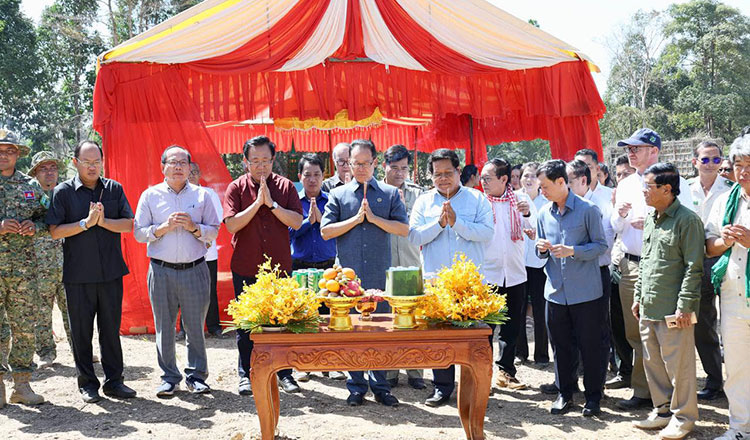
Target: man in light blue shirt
x,y
178,220
571,238
446,220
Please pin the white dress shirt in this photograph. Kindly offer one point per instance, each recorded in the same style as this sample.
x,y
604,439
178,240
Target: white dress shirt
x,y
602,198
155,206
505,259
734,303
702,202
630,190
213,253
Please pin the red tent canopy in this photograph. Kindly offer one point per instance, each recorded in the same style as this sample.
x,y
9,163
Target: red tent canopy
x,y
423,73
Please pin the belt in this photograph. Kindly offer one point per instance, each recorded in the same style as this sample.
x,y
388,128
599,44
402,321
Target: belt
x,y
633,258
178,266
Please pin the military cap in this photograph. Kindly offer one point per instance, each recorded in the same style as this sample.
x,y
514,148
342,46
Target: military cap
x,y
7,137
41,157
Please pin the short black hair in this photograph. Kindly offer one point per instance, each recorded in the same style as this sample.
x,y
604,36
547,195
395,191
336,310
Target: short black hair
x,y
443,154
706,144
622,160
77,151
665,173
468,172
588,152
502,167
164,153
258,141
395,153
579,168
310,158
553,170
364,143
514,167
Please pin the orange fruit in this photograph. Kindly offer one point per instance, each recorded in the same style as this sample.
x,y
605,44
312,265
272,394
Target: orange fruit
x,y
332,286
322,283
348,272
330,274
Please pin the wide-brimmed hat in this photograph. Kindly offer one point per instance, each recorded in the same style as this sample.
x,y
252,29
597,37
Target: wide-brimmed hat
x,y
44,156
7,137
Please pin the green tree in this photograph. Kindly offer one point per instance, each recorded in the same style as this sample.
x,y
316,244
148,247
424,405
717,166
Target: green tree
x,y
710,42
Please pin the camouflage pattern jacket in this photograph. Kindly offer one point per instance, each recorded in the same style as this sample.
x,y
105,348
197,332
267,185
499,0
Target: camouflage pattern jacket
x,y
20,199
49,252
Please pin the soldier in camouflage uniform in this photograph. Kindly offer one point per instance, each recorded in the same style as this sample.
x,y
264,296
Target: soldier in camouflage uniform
x,y
22,213
45,169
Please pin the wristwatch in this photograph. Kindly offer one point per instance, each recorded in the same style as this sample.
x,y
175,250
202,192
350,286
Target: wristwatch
x,y
274,206
82,224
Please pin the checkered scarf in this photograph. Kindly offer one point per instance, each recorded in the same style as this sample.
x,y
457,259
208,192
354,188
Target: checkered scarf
x,y
515,217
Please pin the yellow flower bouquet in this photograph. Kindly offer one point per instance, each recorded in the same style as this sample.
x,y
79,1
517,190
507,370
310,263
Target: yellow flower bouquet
x,y
460,296
274,301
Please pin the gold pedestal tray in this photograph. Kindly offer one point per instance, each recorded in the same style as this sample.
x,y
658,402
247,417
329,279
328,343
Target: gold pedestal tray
x,y
404,308
340,307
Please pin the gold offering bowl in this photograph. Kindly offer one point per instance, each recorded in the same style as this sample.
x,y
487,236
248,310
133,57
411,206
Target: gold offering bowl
x,y
404,308
340,307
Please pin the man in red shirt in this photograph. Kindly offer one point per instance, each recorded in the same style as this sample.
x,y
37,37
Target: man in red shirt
x,y
259,207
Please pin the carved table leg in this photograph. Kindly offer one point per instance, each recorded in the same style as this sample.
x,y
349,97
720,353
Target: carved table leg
x,y
466,390
276,402
265,393
482,381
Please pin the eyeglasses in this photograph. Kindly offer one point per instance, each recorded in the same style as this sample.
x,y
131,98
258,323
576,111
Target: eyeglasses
x,y
485,180
94,164
8,153
342,163
706,160
262,162
177,163
725,170
361,164
635,149
195,173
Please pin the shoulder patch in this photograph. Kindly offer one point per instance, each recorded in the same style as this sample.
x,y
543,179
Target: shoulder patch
x,y
29,195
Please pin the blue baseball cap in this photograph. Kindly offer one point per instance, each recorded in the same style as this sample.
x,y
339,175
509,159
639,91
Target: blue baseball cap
x,y
644,136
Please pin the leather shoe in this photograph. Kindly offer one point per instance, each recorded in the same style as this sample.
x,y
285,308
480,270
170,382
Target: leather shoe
x,y
561,405
548,388
289,385
120,390
709,394
355,399
417,383
634,403
90,395
386,399
591,409
437,399
393,382
617,382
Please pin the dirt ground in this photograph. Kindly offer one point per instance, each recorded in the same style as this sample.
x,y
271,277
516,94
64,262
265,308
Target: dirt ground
x,y
319,412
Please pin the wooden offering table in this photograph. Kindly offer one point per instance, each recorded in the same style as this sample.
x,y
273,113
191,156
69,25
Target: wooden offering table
x,y
375,345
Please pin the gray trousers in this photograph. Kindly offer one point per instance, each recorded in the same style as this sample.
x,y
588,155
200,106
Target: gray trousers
x,y
669,363
188,290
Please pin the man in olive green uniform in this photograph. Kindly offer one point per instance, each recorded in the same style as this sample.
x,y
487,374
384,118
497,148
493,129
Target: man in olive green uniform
x,y
22,214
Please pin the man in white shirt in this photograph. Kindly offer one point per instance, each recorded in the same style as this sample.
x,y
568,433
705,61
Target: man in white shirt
x,y
706,188
504,260
627,219
177,220
728,236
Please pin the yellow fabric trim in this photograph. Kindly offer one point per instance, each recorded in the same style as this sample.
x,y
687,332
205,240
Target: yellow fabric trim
x,y
592,67
341,120
178,27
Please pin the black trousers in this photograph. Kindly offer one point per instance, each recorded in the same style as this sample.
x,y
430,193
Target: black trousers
x,y
623,350
706,337
244,343
515,297
580,330
535,280
103,302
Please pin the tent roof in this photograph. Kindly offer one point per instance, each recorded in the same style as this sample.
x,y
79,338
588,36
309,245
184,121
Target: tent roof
x,y
299,34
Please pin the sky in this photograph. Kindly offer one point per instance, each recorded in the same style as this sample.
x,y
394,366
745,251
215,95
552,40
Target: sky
x,y
584,24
